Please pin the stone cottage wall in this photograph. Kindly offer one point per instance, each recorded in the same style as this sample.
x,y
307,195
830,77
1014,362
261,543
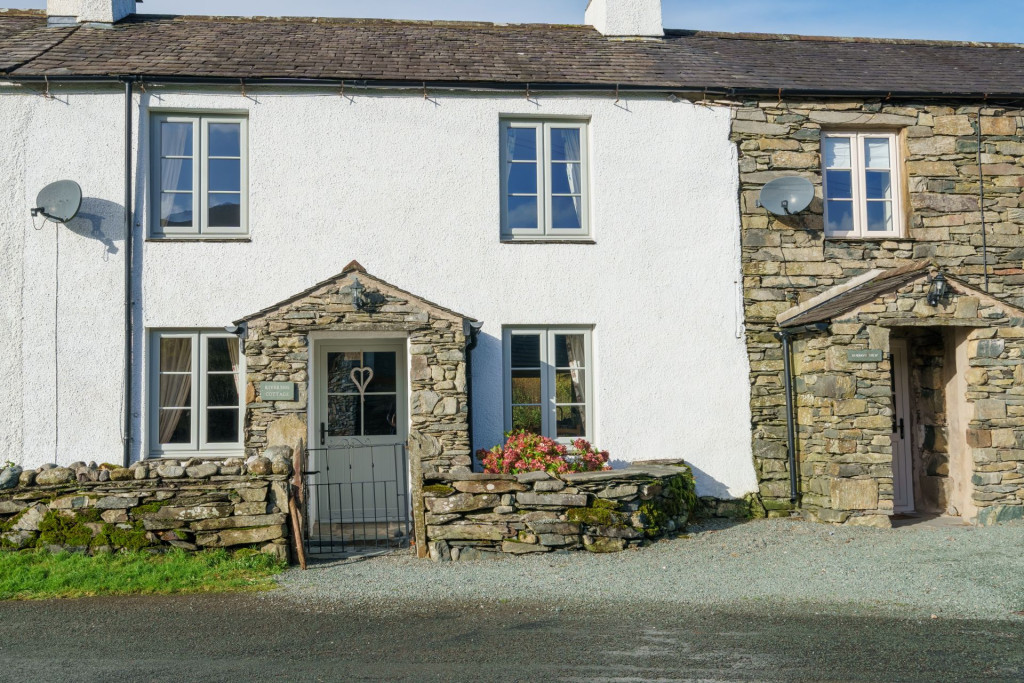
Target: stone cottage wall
x,y
154,505
477,516
787,260
277,349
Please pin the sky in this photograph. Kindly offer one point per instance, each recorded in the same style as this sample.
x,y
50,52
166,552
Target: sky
x,y
980,20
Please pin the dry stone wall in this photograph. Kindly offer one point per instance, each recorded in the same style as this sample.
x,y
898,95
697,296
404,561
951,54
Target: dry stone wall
x,y
479,516
787,260
153,505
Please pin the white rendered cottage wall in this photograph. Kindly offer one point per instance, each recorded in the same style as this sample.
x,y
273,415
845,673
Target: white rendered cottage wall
x,y
410,188
62,343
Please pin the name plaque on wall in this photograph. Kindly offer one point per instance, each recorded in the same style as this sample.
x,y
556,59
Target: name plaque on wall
x,y
277,391
864,355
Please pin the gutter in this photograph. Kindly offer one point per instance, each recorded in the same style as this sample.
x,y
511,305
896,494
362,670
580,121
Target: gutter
x,y
522,87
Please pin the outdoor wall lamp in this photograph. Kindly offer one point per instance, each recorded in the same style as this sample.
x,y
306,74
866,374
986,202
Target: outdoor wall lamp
x,y
358,300
939,289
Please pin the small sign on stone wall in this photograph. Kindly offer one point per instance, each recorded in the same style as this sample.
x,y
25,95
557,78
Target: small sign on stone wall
x,y
864,355
277,391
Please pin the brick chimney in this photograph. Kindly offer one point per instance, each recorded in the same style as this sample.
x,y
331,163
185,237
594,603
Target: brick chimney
x,y
63,12
626,18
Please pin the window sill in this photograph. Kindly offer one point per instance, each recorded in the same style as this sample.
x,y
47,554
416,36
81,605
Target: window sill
x,y
198,455
553,240
216,240
890,238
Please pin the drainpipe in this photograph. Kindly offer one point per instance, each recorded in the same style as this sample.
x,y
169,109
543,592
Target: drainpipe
x,y
786,334
129,230
981,199
471,341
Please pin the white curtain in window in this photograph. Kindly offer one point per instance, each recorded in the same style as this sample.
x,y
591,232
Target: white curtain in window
x,y
174,389
173,137
576,344
575,171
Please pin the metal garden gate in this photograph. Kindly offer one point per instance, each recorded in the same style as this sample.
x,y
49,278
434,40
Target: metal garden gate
x,y
356,499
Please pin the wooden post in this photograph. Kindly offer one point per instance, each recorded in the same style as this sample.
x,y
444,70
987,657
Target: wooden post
x,y
295,510
416,493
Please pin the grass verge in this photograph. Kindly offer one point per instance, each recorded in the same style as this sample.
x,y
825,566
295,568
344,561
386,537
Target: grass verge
x,y
41,575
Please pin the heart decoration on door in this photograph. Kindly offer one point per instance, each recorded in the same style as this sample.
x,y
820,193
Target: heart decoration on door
x,y
361,377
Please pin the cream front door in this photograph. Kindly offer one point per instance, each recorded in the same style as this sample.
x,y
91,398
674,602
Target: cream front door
x,y
361,428
902,459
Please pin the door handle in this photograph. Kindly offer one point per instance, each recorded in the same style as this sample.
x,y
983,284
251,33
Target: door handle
x,y
901,428
323,433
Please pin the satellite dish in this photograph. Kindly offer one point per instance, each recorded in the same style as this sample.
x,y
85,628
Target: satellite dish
x,y
59,202
786,196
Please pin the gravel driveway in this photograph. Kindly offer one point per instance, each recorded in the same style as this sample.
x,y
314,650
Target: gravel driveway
x,y
916,571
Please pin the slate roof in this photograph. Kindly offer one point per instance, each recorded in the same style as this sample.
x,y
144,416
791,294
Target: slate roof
x,y
479,53
851,294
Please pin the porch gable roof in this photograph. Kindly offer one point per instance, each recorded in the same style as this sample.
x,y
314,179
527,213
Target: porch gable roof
x,y
355,268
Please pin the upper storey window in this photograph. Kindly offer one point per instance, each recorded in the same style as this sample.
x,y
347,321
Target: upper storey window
x,y
861,184
200,177
544,180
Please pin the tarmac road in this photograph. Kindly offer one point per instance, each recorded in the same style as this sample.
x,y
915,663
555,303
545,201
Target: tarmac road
x,y
259,637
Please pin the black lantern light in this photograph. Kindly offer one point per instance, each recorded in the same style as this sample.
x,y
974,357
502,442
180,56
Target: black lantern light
x,y
939,289
358,301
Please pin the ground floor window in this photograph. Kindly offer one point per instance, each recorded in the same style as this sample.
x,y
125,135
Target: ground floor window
x,y
195,392
549,384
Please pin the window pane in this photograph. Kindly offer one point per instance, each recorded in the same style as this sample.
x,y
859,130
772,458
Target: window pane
x,y
565,144
521,144
878,186
176,210
175,139
571,421
225,175
175,391
522,178
225,210
876,153
526,417
343,416
570,350
566,179
175,354
566,212
526,386
522,212
176,174
570,386
879,216
339,369
840,216
381,416
383,364
839,184
222,391
837,153
222,426
225,140
175,426
222,354
525,350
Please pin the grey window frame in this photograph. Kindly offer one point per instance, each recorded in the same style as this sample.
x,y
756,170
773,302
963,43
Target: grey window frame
x,y
544,229
200,228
